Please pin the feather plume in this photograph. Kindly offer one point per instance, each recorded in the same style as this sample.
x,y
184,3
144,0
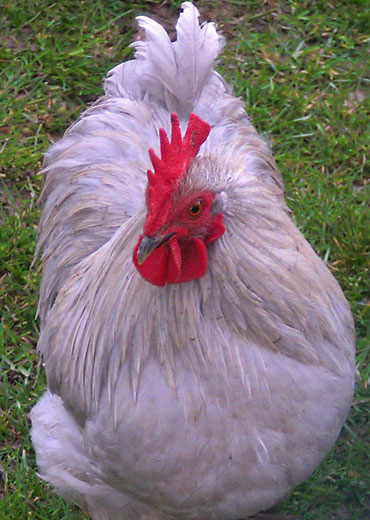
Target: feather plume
x,y
172,74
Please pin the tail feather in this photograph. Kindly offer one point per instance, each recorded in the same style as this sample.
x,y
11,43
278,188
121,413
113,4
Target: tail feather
x,y
59,449
64,462
156,60
196,47
171,74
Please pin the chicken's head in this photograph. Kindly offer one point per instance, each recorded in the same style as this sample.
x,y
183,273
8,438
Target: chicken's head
x,y
180,221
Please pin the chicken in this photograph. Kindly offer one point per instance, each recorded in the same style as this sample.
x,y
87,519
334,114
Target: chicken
x,y
199,355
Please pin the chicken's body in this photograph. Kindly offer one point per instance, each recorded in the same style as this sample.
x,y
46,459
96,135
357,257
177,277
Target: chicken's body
x,y
202,400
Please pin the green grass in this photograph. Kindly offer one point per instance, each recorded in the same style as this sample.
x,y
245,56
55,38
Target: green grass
x,y
301,67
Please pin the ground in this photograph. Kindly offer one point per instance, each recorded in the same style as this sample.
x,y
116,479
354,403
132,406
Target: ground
x,y
300,68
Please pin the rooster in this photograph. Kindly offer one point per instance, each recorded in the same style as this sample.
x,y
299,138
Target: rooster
x,y
199,355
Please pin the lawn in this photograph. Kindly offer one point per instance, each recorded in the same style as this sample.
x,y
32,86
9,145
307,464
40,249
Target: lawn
x,y
300,67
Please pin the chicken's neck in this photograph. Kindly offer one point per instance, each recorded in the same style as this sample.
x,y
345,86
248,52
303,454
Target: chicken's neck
x,y
256,290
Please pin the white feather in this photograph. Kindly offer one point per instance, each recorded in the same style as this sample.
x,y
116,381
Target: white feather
x,y
206,400
173,75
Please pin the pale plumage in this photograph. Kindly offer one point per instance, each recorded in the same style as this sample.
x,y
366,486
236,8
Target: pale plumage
x,y
203,400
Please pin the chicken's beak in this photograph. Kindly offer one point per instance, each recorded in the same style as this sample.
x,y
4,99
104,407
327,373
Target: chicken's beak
x,y
149,244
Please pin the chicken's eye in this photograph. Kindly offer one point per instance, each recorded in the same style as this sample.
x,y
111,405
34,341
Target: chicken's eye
x,y
196,208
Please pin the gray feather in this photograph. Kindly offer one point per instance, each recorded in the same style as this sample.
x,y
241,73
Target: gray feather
x,y
204,400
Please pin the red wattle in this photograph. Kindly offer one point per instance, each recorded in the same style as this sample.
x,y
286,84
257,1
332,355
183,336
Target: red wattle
x,y
176,262
193,260
154,268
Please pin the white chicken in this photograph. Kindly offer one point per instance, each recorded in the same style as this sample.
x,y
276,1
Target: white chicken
x,y
199,355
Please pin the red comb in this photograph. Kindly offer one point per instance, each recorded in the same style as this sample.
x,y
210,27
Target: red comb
x,y
176,156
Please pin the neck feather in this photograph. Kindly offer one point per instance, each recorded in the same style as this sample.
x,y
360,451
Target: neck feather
x,y
264,285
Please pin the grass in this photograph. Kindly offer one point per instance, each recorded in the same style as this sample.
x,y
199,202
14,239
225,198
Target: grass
x,y
300,67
